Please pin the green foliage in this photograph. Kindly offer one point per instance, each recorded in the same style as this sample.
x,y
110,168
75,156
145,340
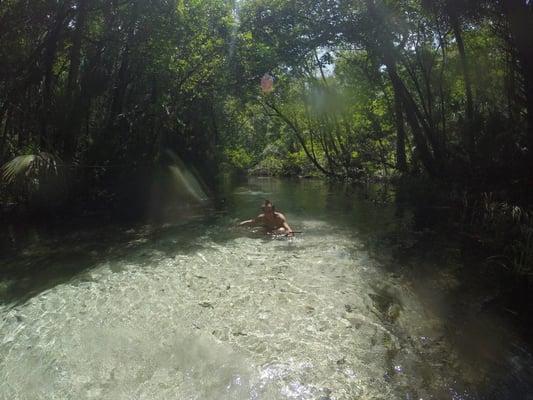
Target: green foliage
x,y
372,87
295,164
361,89
238,158
269,166
112,84
298,164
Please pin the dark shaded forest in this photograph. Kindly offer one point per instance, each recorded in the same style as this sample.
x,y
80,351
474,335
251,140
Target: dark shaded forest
x,y
98,97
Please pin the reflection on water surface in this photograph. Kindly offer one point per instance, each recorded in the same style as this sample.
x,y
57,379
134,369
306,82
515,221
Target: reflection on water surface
x,y
197,309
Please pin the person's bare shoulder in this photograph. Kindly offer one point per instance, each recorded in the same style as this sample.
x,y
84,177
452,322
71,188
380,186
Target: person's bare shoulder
x,y
280,215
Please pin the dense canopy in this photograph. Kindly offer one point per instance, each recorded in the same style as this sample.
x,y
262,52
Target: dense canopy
x,y
100,91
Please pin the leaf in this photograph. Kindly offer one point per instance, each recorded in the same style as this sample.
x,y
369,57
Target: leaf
x,y
29,166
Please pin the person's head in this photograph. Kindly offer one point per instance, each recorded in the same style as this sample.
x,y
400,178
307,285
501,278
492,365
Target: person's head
x,y
268,207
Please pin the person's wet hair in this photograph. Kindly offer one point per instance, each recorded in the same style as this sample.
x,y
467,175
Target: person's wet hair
x,y
267,203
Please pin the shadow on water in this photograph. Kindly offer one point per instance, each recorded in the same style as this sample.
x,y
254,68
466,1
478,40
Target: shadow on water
x,y
37,257
42,257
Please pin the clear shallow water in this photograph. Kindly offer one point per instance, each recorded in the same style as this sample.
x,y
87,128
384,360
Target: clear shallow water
x,y
197,309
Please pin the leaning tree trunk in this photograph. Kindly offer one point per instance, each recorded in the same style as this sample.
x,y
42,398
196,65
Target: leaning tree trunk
x,y
300,137
428,160
422,133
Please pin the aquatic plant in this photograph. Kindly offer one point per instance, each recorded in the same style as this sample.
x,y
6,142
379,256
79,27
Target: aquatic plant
x,y
506,227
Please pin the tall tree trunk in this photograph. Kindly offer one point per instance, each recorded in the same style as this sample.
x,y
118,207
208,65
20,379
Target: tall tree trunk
x,y
50,50
75,115
520,17
468,132
457,33
401,160
5,129
122,79
119,89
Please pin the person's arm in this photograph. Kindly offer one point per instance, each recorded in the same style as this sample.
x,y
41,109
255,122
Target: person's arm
x,y
288,229
251,222
286,225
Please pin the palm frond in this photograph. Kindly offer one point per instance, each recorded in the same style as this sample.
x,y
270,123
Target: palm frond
x,y
29,166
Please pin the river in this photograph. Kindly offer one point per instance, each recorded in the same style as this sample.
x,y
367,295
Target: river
x,y
362,304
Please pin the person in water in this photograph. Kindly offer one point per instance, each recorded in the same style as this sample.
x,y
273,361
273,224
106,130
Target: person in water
x,y
274,222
